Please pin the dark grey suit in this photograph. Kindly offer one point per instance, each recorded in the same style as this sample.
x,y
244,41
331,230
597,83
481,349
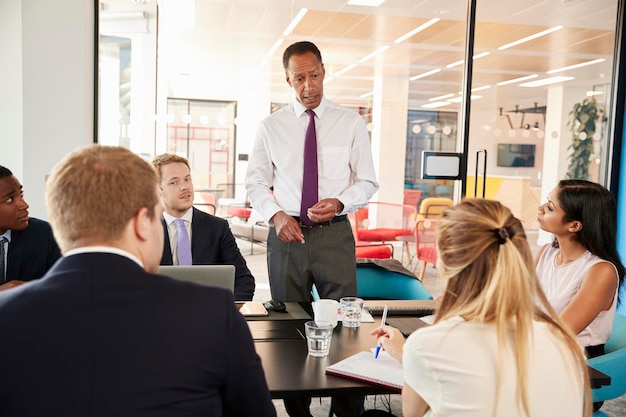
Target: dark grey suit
x,y
212,242
98,336
32,251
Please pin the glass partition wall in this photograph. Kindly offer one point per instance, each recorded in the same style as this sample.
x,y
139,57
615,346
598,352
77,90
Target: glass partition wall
x,y
401,64
542,63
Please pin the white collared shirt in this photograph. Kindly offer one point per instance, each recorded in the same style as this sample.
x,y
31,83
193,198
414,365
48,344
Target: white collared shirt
x,y
104,249
172,231
345,166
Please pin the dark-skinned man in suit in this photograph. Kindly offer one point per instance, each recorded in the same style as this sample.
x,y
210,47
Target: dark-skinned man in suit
x,y
29,247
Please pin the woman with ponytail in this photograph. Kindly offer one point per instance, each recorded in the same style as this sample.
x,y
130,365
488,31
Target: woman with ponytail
x,y
492,350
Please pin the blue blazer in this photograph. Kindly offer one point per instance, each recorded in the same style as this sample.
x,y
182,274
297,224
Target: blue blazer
x,y
99,336
212,242
32,251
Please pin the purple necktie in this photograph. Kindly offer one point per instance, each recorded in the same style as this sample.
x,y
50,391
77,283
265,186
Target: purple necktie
x,y
184,247
309,178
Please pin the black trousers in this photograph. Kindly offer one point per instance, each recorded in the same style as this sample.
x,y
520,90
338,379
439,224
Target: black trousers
x,y
327,258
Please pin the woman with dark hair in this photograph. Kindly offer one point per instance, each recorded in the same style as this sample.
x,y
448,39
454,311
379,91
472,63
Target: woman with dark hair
x,y
581,271
493,348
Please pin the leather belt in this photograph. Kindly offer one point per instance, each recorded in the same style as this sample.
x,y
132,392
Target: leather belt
x,y
335,219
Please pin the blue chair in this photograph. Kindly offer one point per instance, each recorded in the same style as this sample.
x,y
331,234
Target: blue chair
x,y
612,363
374,282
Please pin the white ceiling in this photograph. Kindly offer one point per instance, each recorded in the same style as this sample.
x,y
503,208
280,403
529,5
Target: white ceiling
x,y
230,40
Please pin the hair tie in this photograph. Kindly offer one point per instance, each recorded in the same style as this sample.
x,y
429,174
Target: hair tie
x,y
504,233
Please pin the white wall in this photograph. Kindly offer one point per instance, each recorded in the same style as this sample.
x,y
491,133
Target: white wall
x,y
11,86
55,80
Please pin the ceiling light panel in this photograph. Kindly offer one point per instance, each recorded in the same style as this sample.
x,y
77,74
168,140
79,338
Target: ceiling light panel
x,y
368,3
530,38
582,64
546,81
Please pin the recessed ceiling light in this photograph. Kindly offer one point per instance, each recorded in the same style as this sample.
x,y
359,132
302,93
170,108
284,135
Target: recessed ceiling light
x,y
517,80
373,54
582,64
417,30
441,97
484,87
435,104
425,74
459,99
295,22
478,56
530,38
546,81
454,64
346,69
370,3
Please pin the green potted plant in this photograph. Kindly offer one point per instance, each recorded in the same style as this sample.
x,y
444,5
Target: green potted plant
x,y
582,124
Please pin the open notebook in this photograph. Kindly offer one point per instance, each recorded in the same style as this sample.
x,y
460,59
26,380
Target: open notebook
x,y
384,371
218,275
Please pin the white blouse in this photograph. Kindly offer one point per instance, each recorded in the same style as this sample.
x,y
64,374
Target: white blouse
x,y
561,283
453,366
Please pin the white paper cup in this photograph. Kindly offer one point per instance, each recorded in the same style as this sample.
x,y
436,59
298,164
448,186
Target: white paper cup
x,y
327,310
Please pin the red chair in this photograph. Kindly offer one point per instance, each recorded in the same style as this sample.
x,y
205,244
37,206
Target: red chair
x,y
236,211
412,197
425,244
385,222
366,249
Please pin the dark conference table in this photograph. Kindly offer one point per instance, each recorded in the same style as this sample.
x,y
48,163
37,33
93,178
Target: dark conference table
x,y
289,370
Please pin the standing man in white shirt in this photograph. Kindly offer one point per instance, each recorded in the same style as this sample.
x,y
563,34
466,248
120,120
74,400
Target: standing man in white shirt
x,y
310,243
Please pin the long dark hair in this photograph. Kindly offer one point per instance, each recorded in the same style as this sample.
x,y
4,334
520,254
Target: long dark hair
x,y
593,206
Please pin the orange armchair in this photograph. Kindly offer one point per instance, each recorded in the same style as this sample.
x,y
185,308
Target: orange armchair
x,y
432,207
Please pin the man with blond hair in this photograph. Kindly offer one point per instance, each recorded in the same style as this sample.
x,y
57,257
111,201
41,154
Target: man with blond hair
x,y
210,237
100,334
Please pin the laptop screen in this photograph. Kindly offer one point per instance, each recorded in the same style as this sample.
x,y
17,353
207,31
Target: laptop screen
x,y
217,275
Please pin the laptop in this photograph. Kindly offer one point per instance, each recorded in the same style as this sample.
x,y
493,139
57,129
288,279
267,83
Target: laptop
x,y
217,275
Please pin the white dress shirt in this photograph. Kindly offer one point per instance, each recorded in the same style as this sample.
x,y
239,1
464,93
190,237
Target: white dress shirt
x,y
104,249
172,231
345,165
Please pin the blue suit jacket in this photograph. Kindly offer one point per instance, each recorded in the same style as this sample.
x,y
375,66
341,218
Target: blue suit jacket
x,y
212,242
32,251
98,336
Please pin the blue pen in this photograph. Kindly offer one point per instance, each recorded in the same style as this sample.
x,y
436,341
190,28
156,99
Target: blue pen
x,y
382,323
